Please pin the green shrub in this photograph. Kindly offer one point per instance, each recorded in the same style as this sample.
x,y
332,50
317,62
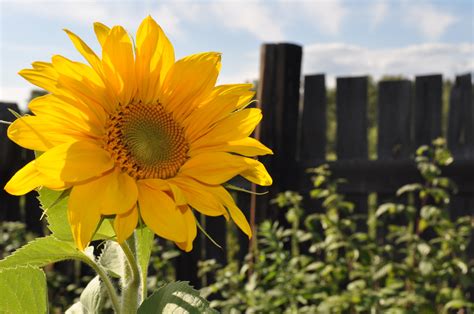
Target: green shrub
x,y
324,262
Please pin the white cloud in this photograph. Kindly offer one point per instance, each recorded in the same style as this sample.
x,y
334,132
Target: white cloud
x,y
252,16
327,15
340,59
431,22
378,12
127,13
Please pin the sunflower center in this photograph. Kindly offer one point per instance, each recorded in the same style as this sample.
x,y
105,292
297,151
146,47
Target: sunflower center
x,y
146,141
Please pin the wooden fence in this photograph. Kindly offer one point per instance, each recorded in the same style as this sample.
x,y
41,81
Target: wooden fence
x,y
294,126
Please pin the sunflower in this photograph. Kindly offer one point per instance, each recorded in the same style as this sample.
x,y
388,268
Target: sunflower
x,y
136,135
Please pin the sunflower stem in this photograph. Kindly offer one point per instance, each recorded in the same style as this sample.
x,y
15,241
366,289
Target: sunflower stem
x,y
131,282
107,282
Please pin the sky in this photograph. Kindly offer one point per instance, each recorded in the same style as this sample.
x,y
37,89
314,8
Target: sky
x,y
339,37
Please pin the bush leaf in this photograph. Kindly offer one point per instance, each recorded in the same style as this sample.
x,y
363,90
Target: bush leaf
x,y
23,290
176,297
41,252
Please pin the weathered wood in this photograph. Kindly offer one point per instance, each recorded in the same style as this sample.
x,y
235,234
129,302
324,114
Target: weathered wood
x,y
427,109
461,118
385,176
394,116
351,103
352,144
278,96
10,162
313,118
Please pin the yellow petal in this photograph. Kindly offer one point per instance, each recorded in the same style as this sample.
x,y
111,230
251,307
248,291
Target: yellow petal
x,y
72,162
237,216
101,32
118,192
83,216
160,214
198,196
235,127
257,173
214,168
189,81
83,82
60,112
222,102
247,147
118,64
40,78
25,180
40,134
154,57
28,178
166,185
85,51
125,224
190,221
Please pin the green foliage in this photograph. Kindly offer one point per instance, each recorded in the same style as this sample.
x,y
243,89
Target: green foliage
x,y
328,262
176,297
41,252
23,290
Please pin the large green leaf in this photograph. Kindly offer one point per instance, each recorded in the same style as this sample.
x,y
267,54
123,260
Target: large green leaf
x,y
23,290
176,297
41,252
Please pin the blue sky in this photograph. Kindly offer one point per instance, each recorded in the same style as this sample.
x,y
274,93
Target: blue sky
x,y
353,37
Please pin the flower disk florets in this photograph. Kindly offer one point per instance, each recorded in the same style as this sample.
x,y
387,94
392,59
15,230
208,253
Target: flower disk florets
x,y
145,141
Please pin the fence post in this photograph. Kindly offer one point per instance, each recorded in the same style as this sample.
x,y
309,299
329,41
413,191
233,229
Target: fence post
x,y
461,137
10,162
313,119
394,116
461,118
427,110
352,144
278,97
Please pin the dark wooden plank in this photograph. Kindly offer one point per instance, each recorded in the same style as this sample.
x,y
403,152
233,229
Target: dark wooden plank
x,y
352,144
427,109
278,96
394,116
386,176
313,118
394,137
10,162
461,118
351,102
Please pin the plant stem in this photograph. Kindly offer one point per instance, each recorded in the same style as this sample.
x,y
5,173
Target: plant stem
x,y
131,280
108,284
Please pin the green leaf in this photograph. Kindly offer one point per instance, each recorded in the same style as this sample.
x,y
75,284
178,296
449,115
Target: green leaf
x,y
409,188
455,304
105,231
54,204
144,244
93,296
41,252
176,297
23,290
113,259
